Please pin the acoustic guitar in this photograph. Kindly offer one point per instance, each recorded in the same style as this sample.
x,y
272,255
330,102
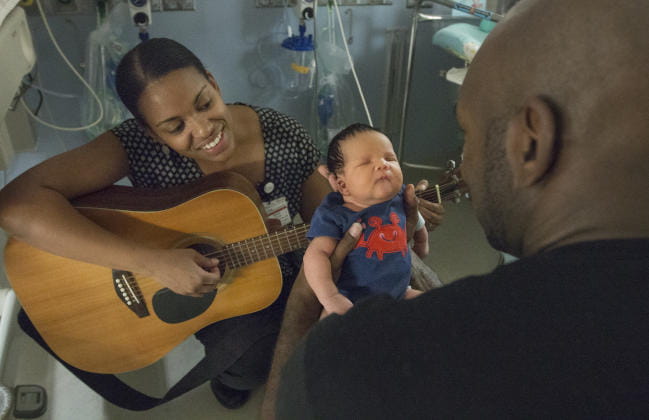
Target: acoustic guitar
x,y
110,321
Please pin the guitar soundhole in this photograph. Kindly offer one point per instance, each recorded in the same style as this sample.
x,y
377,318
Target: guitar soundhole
x,y
173,308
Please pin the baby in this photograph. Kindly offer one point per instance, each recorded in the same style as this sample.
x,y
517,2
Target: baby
x,y
370,191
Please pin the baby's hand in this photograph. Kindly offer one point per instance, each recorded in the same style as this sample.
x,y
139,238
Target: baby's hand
x,y
337,303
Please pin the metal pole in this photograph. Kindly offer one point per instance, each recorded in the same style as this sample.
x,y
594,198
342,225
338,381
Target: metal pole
x,y
484,14
404,107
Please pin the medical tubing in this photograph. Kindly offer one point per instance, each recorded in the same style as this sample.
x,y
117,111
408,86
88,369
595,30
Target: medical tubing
x,y
51,92
351,62
76,73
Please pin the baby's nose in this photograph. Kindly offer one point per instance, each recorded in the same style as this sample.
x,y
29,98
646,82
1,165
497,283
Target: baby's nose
x,y
381,164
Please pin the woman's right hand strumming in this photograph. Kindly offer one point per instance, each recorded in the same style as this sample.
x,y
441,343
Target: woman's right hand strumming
x,y
184,271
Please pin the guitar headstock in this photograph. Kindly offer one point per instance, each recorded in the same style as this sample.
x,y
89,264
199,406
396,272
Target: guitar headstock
x,y
452,176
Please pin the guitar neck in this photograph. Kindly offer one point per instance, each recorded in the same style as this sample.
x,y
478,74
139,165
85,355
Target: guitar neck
x,y
250,251
239,254
439,193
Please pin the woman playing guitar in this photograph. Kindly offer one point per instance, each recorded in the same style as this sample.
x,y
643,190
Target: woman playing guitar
x,y
182,131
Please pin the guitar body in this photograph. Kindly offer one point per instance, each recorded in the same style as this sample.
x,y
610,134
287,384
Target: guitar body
x,y
77,308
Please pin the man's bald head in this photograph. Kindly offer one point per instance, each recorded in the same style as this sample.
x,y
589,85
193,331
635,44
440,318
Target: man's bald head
x,y
578,68
588,57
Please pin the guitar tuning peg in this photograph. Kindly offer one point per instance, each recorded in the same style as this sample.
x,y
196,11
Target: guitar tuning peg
x,y
450,165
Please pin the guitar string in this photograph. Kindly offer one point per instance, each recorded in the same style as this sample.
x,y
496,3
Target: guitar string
x,y
430,193
295,231
235,259
238,259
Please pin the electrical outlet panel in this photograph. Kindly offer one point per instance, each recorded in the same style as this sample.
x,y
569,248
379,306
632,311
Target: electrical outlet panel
x,y
292,3
140,13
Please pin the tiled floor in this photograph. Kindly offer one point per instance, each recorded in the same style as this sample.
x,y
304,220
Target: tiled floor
x,y
70,399
458,248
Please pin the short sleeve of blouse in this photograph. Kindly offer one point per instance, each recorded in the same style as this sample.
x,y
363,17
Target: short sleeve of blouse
x,y
152,164
297,146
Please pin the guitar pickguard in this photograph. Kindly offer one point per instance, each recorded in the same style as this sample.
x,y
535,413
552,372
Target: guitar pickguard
x,y
173,308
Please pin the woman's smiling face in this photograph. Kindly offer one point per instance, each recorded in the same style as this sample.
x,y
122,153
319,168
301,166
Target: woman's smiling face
x,y
185,111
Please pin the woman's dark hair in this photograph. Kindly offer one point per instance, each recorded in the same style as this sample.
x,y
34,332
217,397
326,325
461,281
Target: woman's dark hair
x,y
335,158
147,62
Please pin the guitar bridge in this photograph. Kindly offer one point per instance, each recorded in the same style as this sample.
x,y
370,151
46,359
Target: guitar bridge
x,y
129,292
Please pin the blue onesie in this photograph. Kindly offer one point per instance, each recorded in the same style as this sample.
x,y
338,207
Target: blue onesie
x,y
380,262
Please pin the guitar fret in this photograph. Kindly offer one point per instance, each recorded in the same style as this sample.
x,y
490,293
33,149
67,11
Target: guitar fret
x,y
230,258
289,234
266,246
276,244
240,255
245,248
236,261
279,242
251,252
261,250
245,251
237,250
288,240
273,250
228,252
242,252
253,247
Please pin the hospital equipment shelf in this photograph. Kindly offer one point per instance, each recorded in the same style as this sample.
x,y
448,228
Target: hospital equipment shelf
x,y
453,75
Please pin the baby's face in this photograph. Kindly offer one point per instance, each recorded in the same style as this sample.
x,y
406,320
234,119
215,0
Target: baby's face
x,y
371,173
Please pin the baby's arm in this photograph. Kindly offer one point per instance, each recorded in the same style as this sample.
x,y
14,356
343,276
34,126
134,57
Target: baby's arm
x,y
317,269
420,238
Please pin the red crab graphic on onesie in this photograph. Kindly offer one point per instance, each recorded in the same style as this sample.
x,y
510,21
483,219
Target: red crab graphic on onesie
x,y
384,239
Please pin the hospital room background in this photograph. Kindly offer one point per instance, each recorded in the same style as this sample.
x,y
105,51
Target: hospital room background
x,y
397,64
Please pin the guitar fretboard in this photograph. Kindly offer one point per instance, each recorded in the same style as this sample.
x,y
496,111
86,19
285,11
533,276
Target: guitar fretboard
x,y
270,245
259,248
441,192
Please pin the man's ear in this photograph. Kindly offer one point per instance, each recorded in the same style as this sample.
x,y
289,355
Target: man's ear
x,y
531,142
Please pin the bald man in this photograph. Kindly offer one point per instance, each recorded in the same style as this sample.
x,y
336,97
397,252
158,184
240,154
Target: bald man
x,y
555,110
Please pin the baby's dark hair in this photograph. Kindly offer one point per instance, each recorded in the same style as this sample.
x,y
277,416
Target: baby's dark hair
x,y
335,158
147,62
